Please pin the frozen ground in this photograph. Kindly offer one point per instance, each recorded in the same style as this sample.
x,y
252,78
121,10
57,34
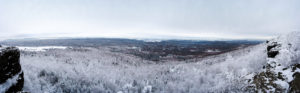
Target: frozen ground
x,y
97,70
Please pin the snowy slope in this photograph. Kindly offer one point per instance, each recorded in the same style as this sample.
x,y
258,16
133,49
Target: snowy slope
x,y
98,70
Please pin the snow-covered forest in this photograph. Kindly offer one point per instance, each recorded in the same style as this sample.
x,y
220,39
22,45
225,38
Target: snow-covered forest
x,y
98,70
149,46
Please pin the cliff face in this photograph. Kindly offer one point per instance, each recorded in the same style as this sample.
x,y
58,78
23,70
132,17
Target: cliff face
x,y
11,74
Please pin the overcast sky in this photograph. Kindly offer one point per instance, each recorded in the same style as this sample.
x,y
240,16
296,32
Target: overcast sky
x,y
157,19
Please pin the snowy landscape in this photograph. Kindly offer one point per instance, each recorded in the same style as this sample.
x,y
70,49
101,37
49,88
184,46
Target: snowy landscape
x,y
149,46
72,69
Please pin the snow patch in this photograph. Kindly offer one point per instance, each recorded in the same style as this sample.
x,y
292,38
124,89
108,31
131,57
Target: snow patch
x,y
212,51
40,48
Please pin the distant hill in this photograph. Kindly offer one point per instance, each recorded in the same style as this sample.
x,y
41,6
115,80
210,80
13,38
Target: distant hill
x,y
150,50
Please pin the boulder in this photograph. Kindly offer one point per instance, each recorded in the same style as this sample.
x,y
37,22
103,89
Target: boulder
x,y
271,49
11,74
295,84
272,54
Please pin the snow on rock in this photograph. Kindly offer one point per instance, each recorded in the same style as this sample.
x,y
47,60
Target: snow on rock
x,y
281,72
11,74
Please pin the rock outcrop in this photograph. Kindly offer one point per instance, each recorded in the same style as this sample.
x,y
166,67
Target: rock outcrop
x,y
272,49
281,74
11,74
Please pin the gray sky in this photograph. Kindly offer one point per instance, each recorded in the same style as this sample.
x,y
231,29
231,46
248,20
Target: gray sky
x,y
157,19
